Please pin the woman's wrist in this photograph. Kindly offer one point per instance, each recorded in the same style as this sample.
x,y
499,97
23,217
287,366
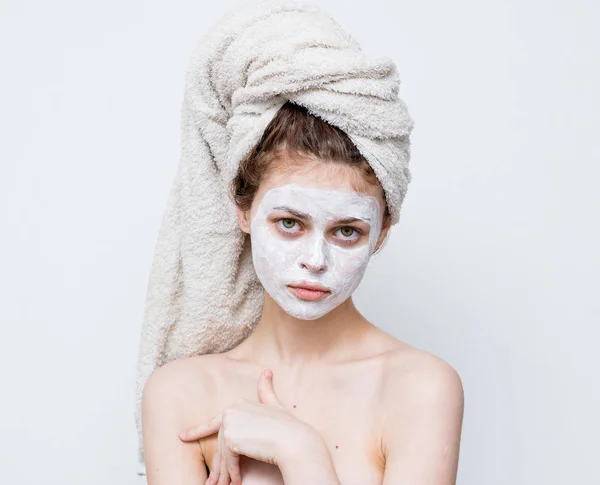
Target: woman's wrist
x,y
305,459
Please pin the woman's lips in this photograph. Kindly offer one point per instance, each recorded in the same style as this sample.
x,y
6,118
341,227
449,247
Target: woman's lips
x,y
310,294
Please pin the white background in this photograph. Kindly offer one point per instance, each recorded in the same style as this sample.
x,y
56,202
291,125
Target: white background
x,y
494,265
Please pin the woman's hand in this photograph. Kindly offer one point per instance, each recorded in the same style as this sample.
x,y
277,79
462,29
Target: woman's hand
x,y
264,431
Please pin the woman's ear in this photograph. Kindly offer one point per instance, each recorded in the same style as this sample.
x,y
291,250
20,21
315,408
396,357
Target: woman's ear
x,y
243,219
383,235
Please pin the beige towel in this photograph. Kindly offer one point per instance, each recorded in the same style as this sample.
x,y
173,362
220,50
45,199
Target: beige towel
x,y
203,294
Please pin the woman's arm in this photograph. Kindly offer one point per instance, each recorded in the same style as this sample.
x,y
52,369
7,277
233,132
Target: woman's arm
x,y
268,432
165,410
310,462
422,424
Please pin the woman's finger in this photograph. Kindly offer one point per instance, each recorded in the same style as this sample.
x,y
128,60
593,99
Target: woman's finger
x,y
202,430
266,392
223,475
215,469
232,459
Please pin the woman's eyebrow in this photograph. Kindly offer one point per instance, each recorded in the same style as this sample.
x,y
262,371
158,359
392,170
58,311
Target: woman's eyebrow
x,y
300,215
348,220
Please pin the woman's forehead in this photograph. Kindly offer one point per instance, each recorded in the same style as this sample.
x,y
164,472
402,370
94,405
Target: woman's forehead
x,y
335,201
318,173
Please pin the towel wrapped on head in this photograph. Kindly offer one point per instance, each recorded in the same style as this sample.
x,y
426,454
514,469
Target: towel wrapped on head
x,y
203,294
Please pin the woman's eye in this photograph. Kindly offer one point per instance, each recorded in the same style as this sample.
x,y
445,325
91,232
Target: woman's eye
x,y
287,224
348,234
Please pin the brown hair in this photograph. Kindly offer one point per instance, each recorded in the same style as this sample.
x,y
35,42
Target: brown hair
x,y
295,132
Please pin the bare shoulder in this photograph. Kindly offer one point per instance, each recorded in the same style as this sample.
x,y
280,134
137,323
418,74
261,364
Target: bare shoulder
x,y
424,375
179,376
174,399
180,387
422,403
404,366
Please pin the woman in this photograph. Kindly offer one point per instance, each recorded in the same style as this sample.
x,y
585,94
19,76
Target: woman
x,y
316,394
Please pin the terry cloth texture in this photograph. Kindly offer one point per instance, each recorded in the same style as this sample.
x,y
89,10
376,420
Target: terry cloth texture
x,y
203,294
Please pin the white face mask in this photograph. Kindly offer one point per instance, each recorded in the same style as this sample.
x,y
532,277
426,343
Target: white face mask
x,y
288,250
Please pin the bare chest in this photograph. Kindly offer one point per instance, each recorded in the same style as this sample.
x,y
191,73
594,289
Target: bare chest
x,y
343,411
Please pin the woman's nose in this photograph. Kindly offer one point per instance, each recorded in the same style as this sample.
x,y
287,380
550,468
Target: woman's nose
x,y
315,257
314,268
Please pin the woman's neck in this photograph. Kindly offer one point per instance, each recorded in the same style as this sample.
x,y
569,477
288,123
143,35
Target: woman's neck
x,y
283,341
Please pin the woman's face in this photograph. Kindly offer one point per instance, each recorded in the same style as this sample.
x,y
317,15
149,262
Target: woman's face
x,y
310,228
